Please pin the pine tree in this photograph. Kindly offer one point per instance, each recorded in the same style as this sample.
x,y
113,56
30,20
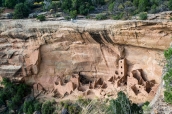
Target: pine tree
x,y
170,4
143,4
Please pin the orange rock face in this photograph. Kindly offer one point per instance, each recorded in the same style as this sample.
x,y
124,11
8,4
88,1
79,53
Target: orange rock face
x,y
43,52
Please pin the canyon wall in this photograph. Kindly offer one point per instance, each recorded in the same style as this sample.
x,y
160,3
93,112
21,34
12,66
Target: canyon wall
x,y
43,52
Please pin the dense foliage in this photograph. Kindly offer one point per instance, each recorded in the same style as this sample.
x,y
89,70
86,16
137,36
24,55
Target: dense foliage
x,y
47,108
122,105
79,6
30,106
21,10
10,3
12,95
132,7
168,76
118,9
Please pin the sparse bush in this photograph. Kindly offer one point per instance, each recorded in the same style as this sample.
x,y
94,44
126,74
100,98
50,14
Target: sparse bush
x,y
88,17
84,102
56,15
101,16
143,16
41,17
67,18
120,7
118,16
136,3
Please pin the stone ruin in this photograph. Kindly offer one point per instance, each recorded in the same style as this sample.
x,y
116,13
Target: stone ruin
x,y
136,83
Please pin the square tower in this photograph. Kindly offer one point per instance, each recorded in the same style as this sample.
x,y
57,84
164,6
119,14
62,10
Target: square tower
x,y
122,68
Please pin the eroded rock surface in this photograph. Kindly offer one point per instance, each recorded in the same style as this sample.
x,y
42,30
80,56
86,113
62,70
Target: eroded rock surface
x,y
43,52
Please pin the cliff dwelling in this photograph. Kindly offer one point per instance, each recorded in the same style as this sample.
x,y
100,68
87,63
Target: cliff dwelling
x,y
135,82
88,60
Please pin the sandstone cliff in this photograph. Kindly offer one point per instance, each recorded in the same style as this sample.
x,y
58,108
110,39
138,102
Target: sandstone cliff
x,y
41,52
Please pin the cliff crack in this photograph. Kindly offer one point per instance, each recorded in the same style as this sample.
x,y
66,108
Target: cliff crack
x,y
136,36
103,55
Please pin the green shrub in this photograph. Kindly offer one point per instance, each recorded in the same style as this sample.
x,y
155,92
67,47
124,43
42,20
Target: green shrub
x,y
111,6
55,6
88,17
73,14
121,7
81,6
168,53
41,17
74,109
47,108
14,94
128,4
153,8
91,8
67,18
21,11
122,105
101,16
143,5
168,76
37,106
168,96
84,102
10,3
83,9
30,106
146,108
170,18
170,4
118,16
143,16
136,3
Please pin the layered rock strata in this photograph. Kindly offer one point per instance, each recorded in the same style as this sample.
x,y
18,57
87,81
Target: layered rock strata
x,y
43,52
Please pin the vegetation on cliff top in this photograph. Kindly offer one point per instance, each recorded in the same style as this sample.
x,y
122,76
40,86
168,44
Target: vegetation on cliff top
x,y
115,9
